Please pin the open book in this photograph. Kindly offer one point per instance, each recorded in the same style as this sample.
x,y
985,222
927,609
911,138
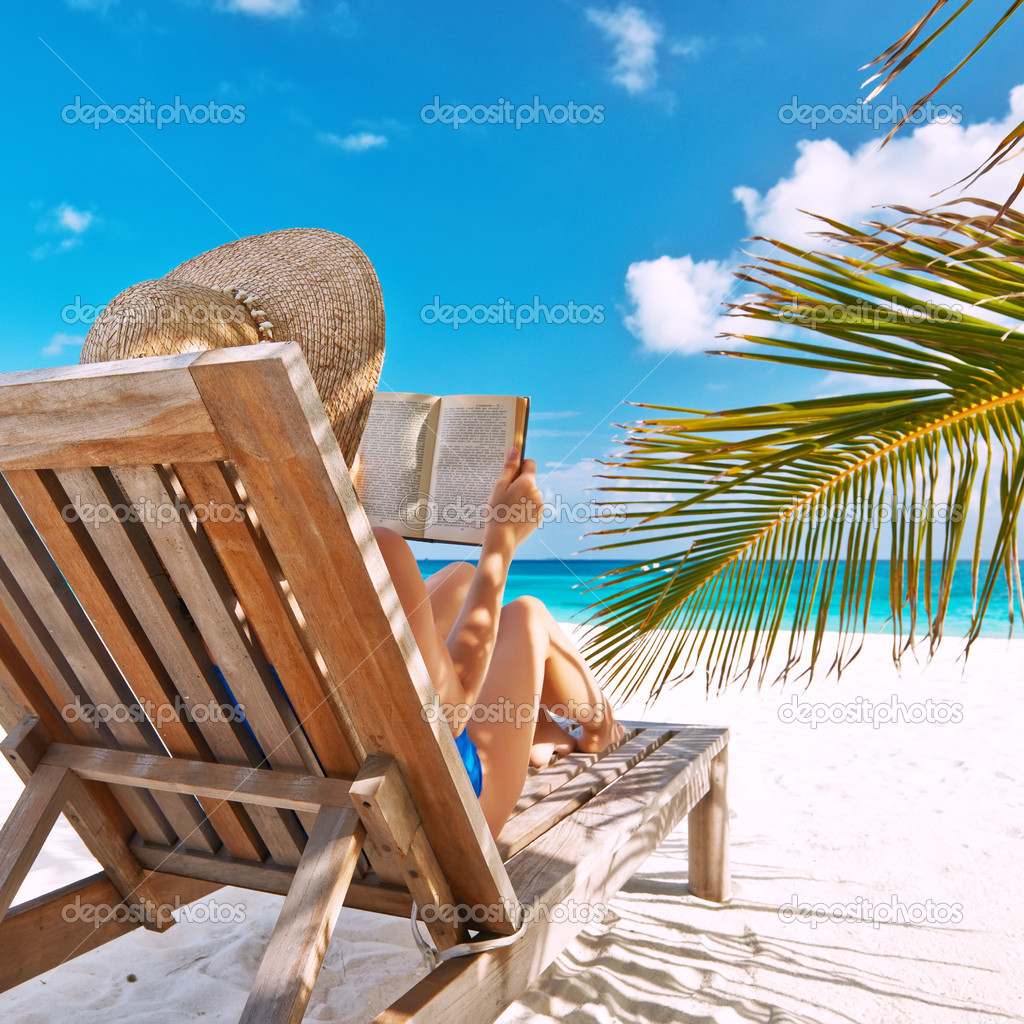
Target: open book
x,y
429,463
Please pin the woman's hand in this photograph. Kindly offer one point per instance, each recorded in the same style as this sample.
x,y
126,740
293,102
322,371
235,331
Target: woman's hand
x,y
515,505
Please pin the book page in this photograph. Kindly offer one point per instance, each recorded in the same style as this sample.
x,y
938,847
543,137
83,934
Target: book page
x,y
473,434
396,447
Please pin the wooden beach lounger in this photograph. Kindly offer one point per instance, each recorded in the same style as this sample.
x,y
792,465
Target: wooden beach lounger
x,y
319,776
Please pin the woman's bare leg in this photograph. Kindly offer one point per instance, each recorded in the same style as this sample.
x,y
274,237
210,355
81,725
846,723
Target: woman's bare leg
x,y
549,739
532,659
415,599
447,589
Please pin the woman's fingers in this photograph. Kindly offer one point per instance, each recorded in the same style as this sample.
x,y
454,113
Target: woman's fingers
x,y
510,469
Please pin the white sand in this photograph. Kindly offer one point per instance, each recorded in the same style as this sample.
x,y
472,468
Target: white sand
x,y
924,818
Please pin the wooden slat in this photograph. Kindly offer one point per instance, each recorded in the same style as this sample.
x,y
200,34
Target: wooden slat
x,y
522,829
104,414
197,576
78,560
70,631
11,707
266,407
254,786
48,931
363,894
61,690
542,782
580,863
265,876
256,577
105,840
288,970
27,827
20,680
683,762
127,553
386,810
48,727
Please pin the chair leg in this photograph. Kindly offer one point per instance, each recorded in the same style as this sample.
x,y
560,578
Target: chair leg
x,y
26,829
709,837
291,963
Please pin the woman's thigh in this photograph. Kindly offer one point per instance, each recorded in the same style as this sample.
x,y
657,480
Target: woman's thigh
x,y
504,717
447,589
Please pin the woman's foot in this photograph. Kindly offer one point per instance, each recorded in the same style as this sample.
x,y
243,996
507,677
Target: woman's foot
x,y
549,740
601,732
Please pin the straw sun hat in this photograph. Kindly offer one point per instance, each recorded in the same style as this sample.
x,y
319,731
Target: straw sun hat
x,y
304,284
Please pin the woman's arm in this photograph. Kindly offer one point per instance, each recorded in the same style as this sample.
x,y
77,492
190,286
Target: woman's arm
x,y
518,502
457,667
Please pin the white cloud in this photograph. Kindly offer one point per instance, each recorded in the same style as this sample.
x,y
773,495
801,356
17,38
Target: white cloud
x,y
266,8
357,143
72,219
692,47
676,299
570,482
677,302
828,179
61,341
63,220
635,37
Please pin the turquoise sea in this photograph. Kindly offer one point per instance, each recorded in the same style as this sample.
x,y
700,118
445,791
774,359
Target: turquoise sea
x,y
564,588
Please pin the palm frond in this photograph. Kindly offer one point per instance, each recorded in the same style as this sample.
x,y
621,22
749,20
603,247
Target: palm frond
x,y
776,512
901,54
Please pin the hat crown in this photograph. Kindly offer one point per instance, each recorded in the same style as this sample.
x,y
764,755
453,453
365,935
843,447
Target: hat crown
x,y
165,317
306,285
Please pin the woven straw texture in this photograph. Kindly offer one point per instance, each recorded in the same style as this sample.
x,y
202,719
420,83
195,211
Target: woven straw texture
x,y
304,284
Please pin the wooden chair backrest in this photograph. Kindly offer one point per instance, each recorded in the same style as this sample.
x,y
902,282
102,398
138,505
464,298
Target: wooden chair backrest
x,y
171,524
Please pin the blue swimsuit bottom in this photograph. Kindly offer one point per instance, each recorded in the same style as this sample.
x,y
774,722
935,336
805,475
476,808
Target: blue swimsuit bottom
x,y
471,759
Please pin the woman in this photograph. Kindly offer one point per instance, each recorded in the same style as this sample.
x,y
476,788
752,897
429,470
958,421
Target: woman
x,y
497,669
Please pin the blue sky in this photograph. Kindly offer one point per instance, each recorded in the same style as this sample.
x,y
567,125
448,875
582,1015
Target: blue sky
x,y
641,215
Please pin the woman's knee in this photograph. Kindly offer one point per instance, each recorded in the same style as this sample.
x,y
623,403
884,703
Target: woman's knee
x,y
527,614
392,545
458,573
400,563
